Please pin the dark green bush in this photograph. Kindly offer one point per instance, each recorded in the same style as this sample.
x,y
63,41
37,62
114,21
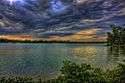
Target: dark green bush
x,y
84,73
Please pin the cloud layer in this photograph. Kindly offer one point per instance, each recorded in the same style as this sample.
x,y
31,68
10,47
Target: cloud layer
x,y
61,19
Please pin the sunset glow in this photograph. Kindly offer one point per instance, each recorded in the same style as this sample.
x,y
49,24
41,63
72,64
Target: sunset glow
x,y
17,37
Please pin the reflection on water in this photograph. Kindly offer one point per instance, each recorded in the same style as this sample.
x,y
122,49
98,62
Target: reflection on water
x,y
46,59
87,52
116,53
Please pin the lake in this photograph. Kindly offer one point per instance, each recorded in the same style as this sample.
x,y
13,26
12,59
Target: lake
x,y
45,60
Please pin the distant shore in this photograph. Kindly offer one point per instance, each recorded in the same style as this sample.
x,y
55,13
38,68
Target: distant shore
x,y
45,41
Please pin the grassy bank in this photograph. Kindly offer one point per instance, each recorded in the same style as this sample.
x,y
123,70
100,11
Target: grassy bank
x,y
77,73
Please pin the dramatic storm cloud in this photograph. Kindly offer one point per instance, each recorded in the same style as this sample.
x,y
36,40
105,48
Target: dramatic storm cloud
x,y
60,19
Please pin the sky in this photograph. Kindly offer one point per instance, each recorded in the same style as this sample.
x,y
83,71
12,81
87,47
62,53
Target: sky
x,y
72,20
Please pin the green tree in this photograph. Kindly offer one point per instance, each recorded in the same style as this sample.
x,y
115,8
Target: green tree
x,y
117,36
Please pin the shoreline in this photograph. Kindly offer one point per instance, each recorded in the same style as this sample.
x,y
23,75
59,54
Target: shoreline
x,y
42,41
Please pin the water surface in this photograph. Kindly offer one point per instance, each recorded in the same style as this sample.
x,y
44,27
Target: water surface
x,y
46,59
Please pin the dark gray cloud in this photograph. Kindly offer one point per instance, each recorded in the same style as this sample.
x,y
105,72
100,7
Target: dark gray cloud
x,y
59,17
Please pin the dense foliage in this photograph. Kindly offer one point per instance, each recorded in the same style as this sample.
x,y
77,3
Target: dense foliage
x,y
84,73
117,36
78,73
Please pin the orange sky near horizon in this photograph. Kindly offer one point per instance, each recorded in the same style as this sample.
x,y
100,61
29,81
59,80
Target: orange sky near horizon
x,y
84,35
17,37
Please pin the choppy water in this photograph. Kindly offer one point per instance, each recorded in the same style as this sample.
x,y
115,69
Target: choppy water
x,y
46,59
